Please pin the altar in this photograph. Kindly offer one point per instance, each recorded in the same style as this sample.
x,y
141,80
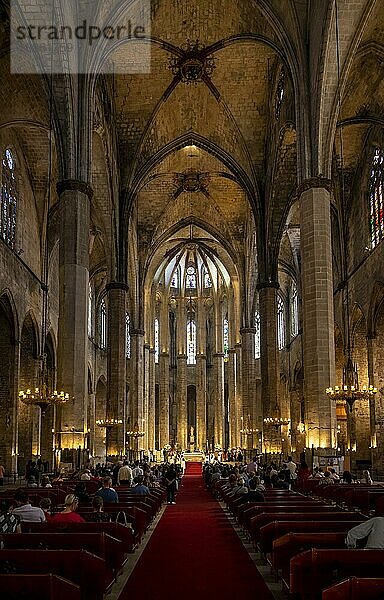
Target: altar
x,y
194,456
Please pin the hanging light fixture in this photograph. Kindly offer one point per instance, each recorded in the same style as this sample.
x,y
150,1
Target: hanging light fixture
x,y
276,421
348,391
42,394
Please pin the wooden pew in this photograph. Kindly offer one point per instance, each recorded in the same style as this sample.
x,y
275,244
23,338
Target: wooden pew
x,y
288,509
115,530
254,509
79,566
356,588
316,569
272,531
262,519
101,544
287,546
38,587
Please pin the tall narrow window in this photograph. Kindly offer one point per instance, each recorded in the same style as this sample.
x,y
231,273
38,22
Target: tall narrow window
x,y
175,280
226,339
257,334
156,341
280,323
8,198
191,343
294,305
90,308
127,336
190,280
279,95
103,325
376,197
207,280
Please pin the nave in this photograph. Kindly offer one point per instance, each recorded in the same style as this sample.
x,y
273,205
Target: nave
x,y
195,552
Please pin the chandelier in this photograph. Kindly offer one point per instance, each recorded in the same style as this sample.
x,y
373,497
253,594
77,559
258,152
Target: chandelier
x,y
277,421
349,390
43,398
135,433
109,423
248,429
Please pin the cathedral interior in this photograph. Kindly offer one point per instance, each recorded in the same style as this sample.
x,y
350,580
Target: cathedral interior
x,y
194,254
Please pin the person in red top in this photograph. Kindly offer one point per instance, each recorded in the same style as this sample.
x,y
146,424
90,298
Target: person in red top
x,y
68,515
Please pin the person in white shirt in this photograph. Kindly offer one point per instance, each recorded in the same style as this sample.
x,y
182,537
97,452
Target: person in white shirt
x,y
86,476
137,470
373,528
27,512
292,467
124,476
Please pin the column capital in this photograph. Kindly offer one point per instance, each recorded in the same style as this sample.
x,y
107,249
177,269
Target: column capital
x,y
201,356
182,356
244,330
232,351
147,347
267,284
313,183
116,285
163,354
74,185
218,354
137,332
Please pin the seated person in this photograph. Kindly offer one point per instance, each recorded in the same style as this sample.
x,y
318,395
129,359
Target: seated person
x,y
140,489
373,530
81,492
45,505
107,493
24,509
254,494
98,515
9,523
45,483
68,515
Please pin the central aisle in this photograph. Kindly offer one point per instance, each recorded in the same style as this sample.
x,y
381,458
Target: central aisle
x,y
194,552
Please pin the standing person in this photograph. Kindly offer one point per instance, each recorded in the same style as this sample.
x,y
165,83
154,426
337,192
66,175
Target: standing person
x,y
170,480
124,476
292,467
2,473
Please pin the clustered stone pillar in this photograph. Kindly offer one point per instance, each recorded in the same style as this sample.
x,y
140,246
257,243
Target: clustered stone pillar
x,y
248,383
136,407
318,318
116,365
269,361
232,399
218,378
239,379
74,206
182,434
164,376
151,401
201,378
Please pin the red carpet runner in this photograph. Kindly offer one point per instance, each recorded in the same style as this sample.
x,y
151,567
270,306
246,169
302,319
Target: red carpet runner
x,y
194,553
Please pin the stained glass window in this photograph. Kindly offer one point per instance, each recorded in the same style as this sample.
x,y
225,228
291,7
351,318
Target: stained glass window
x,y
257,334
191,343
226,339
103,325
294,311
280,323
279,95
127,336
156,341
175,280
190,280
207,280
376,197
8,198
90,308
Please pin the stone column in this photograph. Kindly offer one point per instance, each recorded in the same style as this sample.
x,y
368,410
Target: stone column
x,y
269,362
116,365
151,402
318,318
232,399
74,204
201,377
181,391
136,408
372,381
239,380
248,382
164,398
146,383
11,435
